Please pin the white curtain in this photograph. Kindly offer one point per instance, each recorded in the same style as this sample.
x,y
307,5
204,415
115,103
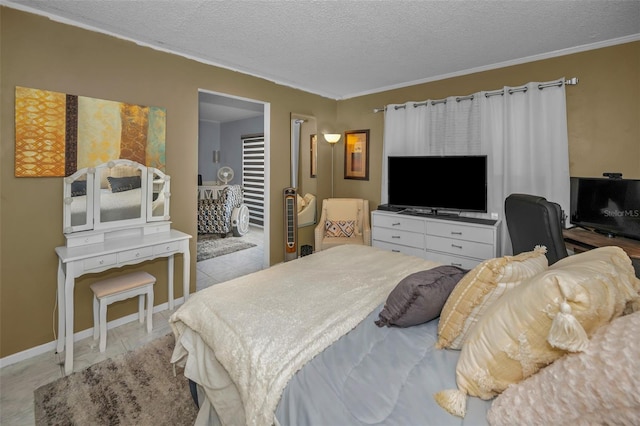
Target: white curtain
x,y
523,132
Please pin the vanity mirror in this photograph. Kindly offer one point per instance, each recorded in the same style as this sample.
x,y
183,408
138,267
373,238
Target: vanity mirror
x,y
303,169
115,194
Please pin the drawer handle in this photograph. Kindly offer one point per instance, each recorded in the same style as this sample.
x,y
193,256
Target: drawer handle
x,y
456,233
137,254
395,251
458,247
395,224
101,261
456,264
395,236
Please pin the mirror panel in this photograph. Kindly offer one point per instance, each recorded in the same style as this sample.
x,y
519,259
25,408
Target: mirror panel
x,y
158,196
78,201
119,198
305,152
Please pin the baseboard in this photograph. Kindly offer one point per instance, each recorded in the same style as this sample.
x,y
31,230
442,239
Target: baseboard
x,y
51,346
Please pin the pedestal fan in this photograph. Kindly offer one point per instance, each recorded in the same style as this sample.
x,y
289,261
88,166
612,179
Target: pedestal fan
x,y
225,174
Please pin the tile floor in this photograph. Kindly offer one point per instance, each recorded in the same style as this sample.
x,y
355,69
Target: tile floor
x,y
19,381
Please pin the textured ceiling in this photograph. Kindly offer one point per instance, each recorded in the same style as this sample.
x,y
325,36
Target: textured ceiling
x,y
342,49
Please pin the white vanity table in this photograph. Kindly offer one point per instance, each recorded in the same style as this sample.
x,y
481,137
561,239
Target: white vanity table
x,y
95,245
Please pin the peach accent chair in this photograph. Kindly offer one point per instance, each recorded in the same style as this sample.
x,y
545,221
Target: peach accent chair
x,y
349,223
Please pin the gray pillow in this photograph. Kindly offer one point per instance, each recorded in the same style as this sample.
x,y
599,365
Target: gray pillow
x,y
121,184
78,188
419,297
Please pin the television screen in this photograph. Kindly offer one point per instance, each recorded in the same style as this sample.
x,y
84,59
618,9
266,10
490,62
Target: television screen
x,y
447,183
610,206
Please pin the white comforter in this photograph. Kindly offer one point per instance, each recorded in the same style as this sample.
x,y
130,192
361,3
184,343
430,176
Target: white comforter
x,y
265,326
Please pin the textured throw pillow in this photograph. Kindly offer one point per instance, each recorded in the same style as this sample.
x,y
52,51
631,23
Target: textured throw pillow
x,y
419,297
600,386
78,188
486,283
539,321
123,183
339,228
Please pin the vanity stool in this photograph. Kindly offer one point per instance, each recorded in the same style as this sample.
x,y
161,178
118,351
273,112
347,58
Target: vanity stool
x,y
119,288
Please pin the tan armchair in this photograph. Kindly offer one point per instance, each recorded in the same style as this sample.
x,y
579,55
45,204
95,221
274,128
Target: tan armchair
x,y
343,221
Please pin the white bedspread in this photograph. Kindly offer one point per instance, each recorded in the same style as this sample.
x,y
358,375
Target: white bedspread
x,y
265,326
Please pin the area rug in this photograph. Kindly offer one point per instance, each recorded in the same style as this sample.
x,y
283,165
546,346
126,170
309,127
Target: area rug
x,y
212,245
135,388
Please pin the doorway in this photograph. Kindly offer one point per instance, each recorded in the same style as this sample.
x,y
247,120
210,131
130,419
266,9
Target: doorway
x,y
223,122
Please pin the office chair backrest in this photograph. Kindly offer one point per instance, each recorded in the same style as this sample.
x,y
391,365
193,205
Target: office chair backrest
x,y
532,220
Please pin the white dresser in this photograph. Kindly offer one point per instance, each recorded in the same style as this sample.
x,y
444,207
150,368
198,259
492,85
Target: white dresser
x,y
457,241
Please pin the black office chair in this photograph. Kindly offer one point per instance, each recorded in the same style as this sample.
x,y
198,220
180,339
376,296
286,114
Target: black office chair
x,y
532,221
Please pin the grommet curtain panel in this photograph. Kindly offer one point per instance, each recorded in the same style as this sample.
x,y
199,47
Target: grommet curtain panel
x,y
523,132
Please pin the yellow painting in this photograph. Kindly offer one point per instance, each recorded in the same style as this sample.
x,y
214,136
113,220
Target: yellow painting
x,y
57,133
40,132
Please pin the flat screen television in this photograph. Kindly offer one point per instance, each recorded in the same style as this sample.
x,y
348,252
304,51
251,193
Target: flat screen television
x,y
446,183
609,206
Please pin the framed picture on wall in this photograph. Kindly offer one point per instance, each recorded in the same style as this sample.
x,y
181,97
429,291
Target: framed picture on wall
x,y
356,154
314,155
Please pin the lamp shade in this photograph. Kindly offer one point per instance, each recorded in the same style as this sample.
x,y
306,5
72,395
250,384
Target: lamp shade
x,y
332,137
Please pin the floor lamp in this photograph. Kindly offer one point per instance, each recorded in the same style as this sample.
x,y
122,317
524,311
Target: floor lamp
x,y
332,138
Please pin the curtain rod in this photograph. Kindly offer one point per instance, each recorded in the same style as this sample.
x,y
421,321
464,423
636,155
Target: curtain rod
x,y
569,82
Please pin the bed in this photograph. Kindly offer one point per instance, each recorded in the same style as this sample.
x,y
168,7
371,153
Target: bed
x,y
114,206
297,344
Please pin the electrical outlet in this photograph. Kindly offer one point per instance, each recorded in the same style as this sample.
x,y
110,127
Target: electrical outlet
x,y
494,216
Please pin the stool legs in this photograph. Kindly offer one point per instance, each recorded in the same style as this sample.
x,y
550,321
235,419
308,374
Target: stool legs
x,y
100,316
103,325
141,308
149,310
96,322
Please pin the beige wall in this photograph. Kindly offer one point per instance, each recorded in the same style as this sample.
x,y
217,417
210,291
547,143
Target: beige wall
x,y
603,111
43,54
604,135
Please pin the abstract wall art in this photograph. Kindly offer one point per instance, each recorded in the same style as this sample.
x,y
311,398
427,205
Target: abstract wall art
x,y
57,133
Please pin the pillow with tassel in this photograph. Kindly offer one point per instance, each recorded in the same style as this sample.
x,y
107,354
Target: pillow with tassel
x,y
539,321
482,286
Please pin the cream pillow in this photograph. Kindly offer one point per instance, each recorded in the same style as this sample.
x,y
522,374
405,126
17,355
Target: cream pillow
x,y
600,385
482,286
301,203
308,198
540,320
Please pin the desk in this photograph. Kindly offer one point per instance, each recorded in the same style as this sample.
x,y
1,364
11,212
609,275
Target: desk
x,y
580,239
111,253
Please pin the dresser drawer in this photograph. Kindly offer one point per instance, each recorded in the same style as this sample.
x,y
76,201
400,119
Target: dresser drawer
x,y
100,261
461,262
395,236
460,247
411,251
398,222
166,248
461,232
140,253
